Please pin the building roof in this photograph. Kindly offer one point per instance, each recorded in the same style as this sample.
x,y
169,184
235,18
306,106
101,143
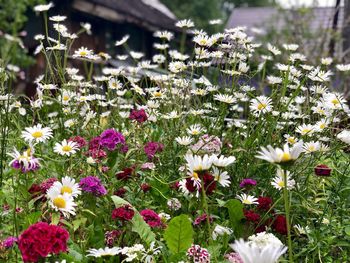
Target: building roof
x,y
320,17
151,14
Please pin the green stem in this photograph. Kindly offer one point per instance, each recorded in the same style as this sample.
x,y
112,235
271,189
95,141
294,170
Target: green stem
x,y
287,208
206,210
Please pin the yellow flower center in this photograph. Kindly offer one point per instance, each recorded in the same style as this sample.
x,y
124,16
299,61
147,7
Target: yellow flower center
x,y
335,101
37,134
291,140
157,94
323,125
247,202
65,97
195,132
281,184
312,148
66,148
66,189
203,42
261,106
83,53
59,202
306,130
286,157
195,175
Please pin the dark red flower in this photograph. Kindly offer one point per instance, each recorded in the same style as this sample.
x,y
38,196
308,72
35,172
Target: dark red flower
x,y
125,174
47,184
250,215
145,187
120,192
280,224
124,213
139,115
42,239
151,148
151,218
35,190
264,203
209,183
322,170
79,140
202,219
112,236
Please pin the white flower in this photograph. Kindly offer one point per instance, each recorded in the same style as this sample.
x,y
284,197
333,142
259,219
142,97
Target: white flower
x,y
122,41
223,161
274,80
25,158
247,199
42,8
274,50
185,140
305,129
279,183
195,129
82,52
344,136
37,133
187,23
61,202
196,163
220,231
343,67
174,204
68,185
103,252
229,99
66,147
251,253
310,147
334,101
326,61
177,66
264,239
222,177
279,155
261,104
319,75
164,35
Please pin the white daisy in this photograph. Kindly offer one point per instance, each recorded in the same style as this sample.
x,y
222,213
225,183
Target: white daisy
x,y
63,203
261,104
68,185
103,252
278,181
279,155
184,140
37,133
305,129
310,147
195,129
229,99
196,163
222,177
247,199
344,136
223,161
66,147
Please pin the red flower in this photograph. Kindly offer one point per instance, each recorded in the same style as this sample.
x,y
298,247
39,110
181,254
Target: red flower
x,y
47,184
124,213
145,187
264,203
42,239
250,215
151,218
323,170
125,174
120,192
202,219
79,140
209,183
280,224
139,115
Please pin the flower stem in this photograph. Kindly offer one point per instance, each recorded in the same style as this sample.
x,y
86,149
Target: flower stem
x,y
206,209
287,209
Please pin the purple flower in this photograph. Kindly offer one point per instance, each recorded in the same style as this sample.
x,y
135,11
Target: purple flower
x,y
247,183
9,242
110,138
92,184
151,148
139,115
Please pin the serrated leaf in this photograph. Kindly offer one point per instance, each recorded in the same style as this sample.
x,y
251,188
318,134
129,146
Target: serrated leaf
x,y
179,234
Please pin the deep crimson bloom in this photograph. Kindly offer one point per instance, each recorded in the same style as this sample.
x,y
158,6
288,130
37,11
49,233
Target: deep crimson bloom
x,y
145,187
111,237
42,239
138,115
35,190
322,170
94,143
47,184
79,140
125,173
247,183
151,148
124,213
209,183
120,192
175,186
280,224
264,203
151,218
202,219
190,185
250,215
96,153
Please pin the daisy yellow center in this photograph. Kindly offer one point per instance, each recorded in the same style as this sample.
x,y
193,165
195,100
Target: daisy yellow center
x,y
37,134
65,98
195,175
286,157
261,106
59,202
66,148
335,101
66,189
195,132
247,202
280,184
203,42
83,53
157,94
291,140
312,148
323,125
321,111
306,130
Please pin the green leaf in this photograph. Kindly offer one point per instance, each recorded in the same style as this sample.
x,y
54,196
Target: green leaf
x,y
347,230
179,234
55,218
139,225
235,210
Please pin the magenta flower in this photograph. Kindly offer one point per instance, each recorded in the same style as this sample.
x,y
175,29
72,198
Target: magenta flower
x,y
93,185
110,138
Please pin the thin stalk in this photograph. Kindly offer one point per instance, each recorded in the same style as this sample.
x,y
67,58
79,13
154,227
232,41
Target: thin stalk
x,y
287,208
